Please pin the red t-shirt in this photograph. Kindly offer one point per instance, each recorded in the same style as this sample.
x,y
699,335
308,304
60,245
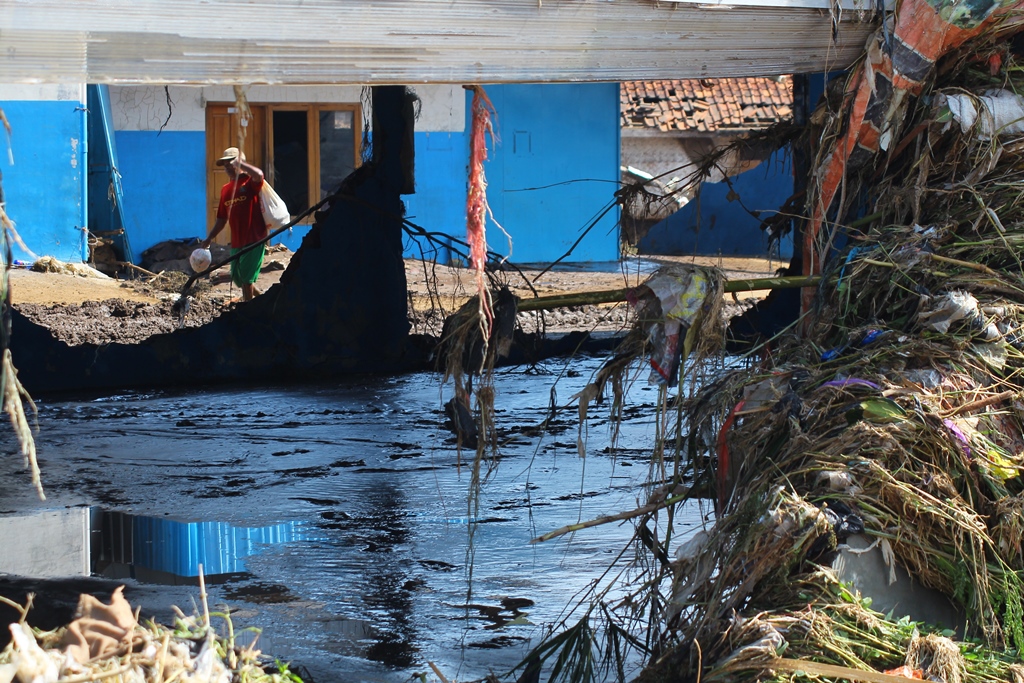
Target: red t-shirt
x,y
240,205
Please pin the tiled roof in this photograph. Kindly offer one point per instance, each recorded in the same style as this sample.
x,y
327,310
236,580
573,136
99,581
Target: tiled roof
x,y
706,105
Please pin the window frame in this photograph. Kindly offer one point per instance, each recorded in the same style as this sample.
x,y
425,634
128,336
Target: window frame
x,y
313,111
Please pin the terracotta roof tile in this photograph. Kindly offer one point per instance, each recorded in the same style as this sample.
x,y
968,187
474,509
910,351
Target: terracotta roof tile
x,y
706,104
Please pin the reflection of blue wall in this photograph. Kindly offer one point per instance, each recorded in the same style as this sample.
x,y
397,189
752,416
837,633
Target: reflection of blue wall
x,y
716,222
563,140
179,548
45,188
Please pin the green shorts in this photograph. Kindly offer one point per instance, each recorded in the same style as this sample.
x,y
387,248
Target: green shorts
x,y
246,268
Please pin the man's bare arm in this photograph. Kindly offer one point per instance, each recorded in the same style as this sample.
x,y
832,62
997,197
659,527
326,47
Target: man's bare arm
x,y
217,227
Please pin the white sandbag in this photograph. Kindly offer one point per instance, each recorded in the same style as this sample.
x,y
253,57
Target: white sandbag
x,y
996,113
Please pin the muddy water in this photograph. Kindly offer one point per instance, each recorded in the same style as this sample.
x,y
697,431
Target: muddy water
x,y
335,517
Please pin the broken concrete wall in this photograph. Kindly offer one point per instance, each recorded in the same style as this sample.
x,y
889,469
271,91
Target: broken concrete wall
x,y
339,308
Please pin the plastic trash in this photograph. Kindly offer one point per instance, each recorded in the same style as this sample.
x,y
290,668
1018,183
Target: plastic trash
x,y
928,378
954,307
200,260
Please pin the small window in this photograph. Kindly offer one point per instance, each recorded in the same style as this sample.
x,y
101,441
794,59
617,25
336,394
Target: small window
x,y
337,149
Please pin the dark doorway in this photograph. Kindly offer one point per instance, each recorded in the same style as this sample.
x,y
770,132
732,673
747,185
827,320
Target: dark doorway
x,y
291,158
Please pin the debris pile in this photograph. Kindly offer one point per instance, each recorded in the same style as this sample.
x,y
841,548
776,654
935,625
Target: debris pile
x,y
106,642
898,413
48,264
894,410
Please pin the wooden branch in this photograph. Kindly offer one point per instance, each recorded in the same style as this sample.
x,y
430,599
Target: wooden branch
x,y
979,404
606,296
755,284
980,267
135,267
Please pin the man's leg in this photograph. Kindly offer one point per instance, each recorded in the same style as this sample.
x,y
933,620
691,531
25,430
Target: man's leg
x,y
246,269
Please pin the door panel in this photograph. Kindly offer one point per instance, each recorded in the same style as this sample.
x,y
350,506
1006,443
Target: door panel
x,y
338,146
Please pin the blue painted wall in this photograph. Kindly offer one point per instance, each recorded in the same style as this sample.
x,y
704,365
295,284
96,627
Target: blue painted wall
x,y
45,189
439,204
164,181
554,168
716,221
562,136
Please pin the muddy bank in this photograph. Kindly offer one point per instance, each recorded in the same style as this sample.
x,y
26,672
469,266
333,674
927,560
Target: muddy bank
x,y
80,311
117,320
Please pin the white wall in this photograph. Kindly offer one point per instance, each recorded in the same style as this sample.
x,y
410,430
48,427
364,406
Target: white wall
x,y
42,93
46,544
145,108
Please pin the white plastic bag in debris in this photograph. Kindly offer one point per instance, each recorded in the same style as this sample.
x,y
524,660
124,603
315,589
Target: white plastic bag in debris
x,y
939,313
275,212
997,112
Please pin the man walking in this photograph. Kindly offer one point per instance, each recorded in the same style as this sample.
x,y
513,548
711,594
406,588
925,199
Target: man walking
x,y
240,207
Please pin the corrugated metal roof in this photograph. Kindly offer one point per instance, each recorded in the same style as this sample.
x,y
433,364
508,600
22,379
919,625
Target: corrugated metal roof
x,y
413,41
706,105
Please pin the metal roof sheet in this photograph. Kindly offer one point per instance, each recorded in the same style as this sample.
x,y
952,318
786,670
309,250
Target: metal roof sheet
x,y
414,41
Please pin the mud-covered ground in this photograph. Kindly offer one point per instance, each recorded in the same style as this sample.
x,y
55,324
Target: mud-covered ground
x,y
116,320
103,310
80,310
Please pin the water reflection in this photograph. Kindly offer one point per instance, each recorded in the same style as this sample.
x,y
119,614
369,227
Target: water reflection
x,y
372,582
389,592
90,540
164,551
47,544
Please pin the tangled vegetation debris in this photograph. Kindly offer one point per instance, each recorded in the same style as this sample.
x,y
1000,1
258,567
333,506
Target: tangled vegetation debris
x,y
896,413
106,642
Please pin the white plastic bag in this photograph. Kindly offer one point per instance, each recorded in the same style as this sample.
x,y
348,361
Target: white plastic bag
x,y
200,260
275,213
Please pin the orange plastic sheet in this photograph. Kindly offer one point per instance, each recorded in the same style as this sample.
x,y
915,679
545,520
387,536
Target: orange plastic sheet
x,y
893,69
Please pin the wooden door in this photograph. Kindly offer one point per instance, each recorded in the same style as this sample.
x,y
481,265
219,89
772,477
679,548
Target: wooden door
x,y
222,126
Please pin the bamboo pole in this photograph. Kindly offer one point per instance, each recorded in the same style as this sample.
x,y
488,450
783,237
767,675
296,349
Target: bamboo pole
x,y
605,296
835,671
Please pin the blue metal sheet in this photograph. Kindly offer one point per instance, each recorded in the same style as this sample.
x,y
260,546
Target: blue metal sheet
x,y
106,194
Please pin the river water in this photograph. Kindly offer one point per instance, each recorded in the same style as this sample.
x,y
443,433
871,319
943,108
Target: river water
x,y
334,517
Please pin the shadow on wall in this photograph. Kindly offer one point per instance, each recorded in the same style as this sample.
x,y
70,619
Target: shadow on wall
x,y
719,219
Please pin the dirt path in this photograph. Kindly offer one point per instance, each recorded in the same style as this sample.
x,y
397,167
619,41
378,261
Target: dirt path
x,y
28,287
